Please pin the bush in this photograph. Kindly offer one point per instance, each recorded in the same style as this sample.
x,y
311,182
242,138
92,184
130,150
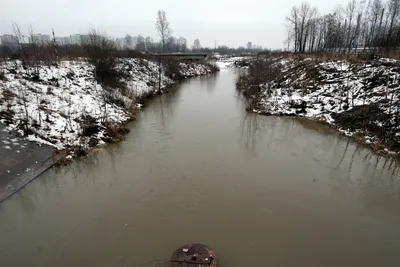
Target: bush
x,y
261,71
115,132
172,69
213,67
89,126
102,53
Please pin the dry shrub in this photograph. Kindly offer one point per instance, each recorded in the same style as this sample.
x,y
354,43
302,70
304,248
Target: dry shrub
x,y
262,70
115,133
172,68
61,157
102,53
213,67
89,126
132,111
64,156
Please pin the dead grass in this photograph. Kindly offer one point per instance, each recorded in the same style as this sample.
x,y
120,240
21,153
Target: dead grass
x,y
65,156
116,132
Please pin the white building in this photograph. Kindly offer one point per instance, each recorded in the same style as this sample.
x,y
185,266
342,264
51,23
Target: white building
x,y
84,39
66,40
9,40
59,41
75,39
41,39
62,41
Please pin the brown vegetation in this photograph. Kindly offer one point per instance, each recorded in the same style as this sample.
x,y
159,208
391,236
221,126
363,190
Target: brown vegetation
x,y
101,52
261,70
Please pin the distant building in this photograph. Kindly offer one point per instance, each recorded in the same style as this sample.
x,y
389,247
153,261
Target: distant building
x,y
63,40
9,40
78,39
42,39
84,39
66,40
73,39
59,41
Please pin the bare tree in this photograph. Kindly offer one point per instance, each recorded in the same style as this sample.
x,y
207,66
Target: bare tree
x,y
19,38
196,45
182,44
306,13
293,27
249,45
128,42
358,24
101,52
140,43
162,27
34,42
148,41
393,12
164,32
374,13
301,23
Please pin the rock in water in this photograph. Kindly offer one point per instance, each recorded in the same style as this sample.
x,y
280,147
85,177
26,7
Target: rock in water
x,y
194,254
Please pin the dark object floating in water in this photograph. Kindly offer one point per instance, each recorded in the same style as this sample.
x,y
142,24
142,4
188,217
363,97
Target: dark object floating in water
x,y
194,255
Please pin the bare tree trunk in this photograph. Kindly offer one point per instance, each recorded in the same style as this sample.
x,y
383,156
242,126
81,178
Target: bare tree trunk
x,y
380,28
394,10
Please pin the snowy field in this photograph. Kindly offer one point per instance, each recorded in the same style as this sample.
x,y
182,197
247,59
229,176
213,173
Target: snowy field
x,y
55,106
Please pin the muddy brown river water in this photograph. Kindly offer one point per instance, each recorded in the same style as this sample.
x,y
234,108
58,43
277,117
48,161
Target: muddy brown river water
x,y
261,191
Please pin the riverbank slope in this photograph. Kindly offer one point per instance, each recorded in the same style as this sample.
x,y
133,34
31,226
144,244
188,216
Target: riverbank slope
x,y
64,106
360,98
65,111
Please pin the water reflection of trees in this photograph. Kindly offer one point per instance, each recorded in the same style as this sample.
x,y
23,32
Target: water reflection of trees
x,y
85,168
209,82
375,176
165,105
378,180
386,164
251,130
353,149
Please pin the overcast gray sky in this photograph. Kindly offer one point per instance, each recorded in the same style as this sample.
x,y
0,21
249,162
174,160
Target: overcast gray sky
x,y
229,22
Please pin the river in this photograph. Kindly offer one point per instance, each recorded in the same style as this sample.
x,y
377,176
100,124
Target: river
x,y
196,167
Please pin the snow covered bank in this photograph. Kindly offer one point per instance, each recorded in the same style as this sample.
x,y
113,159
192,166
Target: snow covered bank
x,y
360,98
64,106
233,62
189,70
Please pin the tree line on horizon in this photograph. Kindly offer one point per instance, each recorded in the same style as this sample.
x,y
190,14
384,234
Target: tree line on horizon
x,y
360,25
166,44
